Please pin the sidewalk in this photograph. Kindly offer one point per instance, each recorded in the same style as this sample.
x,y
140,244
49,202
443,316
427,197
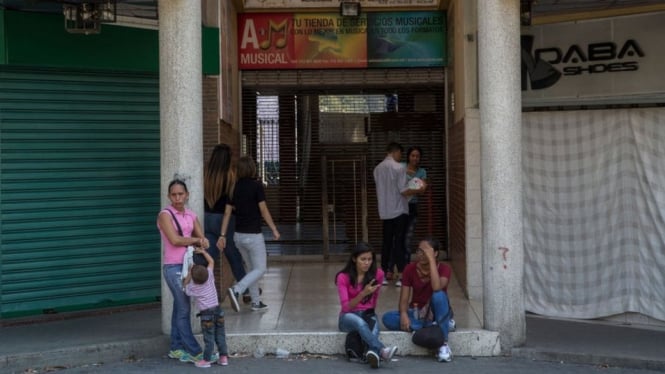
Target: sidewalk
x,y
303,317
597,343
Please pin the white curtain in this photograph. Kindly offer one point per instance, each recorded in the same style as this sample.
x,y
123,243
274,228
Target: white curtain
x,y
594,205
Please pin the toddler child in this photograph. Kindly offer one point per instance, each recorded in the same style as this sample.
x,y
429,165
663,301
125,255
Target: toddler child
x,y
200,284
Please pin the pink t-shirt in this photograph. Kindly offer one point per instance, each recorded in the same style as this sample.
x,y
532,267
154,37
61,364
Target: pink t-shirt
x,y
347,292
173,255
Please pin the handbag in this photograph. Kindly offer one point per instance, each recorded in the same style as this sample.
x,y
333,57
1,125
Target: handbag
x,y
354,346
430,337
193,258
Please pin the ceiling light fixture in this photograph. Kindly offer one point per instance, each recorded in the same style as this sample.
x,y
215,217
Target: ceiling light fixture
x,y
349,9
86,18
525,12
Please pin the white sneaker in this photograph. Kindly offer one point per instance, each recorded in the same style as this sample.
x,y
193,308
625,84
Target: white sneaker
x,y
233,297
387,353
398,283
451,325
444,354
385,282
373,359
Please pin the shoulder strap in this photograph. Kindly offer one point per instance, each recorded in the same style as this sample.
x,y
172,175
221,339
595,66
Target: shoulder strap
x,y
176,221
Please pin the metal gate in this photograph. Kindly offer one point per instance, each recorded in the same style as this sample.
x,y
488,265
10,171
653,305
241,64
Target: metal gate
x,y
79,175
343,200
317,136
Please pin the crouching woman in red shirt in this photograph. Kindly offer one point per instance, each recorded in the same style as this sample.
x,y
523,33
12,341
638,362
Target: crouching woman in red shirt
x,y
423,299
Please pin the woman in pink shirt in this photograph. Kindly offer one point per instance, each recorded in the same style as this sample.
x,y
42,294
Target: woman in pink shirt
x,y
179,227
358,285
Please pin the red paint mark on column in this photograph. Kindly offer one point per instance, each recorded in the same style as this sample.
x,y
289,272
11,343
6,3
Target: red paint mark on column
x,y
504,253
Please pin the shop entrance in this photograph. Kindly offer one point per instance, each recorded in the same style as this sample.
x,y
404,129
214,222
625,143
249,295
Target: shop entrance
x,y
316,146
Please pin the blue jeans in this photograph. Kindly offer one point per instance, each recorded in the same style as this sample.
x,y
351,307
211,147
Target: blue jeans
x,y
212,327
352,321
440,309
253,250
181,329
213,223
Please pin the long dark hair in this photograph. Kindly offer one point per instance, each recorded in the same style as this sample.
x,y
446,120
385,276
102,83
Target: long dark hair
x,y
411,149
219,177
350,267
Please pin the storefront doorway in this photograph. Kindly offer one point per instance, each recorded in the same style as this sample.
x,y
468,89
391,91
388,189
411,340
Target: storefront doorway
x,y
317,136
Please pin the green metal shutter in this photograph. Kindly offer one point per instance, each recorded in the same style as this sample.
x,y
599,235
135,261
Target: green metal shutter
x,y
79,189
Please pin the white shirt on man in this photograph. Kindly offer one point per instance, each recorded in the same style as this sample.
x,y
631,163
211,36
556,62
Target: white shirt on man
x,y
390,179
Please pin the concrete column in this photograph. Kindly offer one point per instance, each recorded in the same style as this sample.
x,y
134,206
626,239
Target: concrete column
x,y
501,169
181,113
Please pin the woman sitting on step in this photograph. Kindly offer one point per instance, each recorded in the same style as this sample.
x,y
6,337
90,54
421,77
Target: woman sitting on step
x,y
358,285
423,299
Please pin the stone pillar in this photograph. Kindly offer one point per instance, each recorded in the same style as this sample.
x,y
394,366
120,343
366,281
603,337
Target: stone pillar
x,y
181,113
501,169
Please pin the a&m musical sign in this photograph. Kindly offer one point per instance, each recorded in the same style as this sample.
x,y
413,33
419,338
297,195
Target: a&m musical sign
x,y
324,41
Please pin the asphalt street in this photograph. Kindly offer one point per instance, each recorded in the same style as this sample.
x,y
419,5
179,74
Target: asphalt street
x,y
338,364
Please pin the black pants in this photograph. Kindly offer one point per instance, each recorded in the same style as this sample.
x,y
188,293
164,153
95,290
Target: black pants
x,y
392,250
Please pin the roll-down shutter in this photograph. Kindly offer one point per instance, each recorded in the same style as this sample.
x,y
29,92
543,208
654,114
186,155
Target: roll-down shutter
x,y
79,189
298,141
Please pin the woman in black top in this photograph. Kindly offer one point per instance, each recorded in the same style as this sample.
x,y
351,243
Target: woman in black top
x,y
219,180
249,202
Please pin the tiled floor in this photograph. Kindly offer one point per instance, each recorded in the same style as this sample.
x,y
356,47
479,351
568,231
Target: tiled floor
x,y
306,239
302,297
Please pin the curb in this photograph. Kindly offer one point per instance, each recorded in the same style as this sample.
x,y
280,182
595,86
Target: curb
x,y
476,343
589,359
327,343
471,342
85,355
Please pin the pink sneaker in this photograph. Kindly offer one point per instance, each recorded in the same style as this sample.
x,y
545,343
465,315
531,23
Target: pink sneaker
x,y
202,364
387,353
223,360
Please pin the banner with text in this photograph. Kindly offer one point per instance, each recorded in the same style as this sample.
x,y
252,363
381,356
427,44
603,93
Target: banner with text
x,y
365,4
325,41
593,60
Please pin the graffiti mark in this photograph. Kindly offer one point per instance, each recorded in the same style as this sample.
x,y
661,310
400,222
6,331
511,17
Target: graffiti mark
x,y
504,253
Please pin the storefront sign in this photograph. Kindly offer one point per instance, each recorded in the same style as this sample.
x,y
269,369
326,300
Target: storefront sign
x,y
593,59
325,41
298,4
